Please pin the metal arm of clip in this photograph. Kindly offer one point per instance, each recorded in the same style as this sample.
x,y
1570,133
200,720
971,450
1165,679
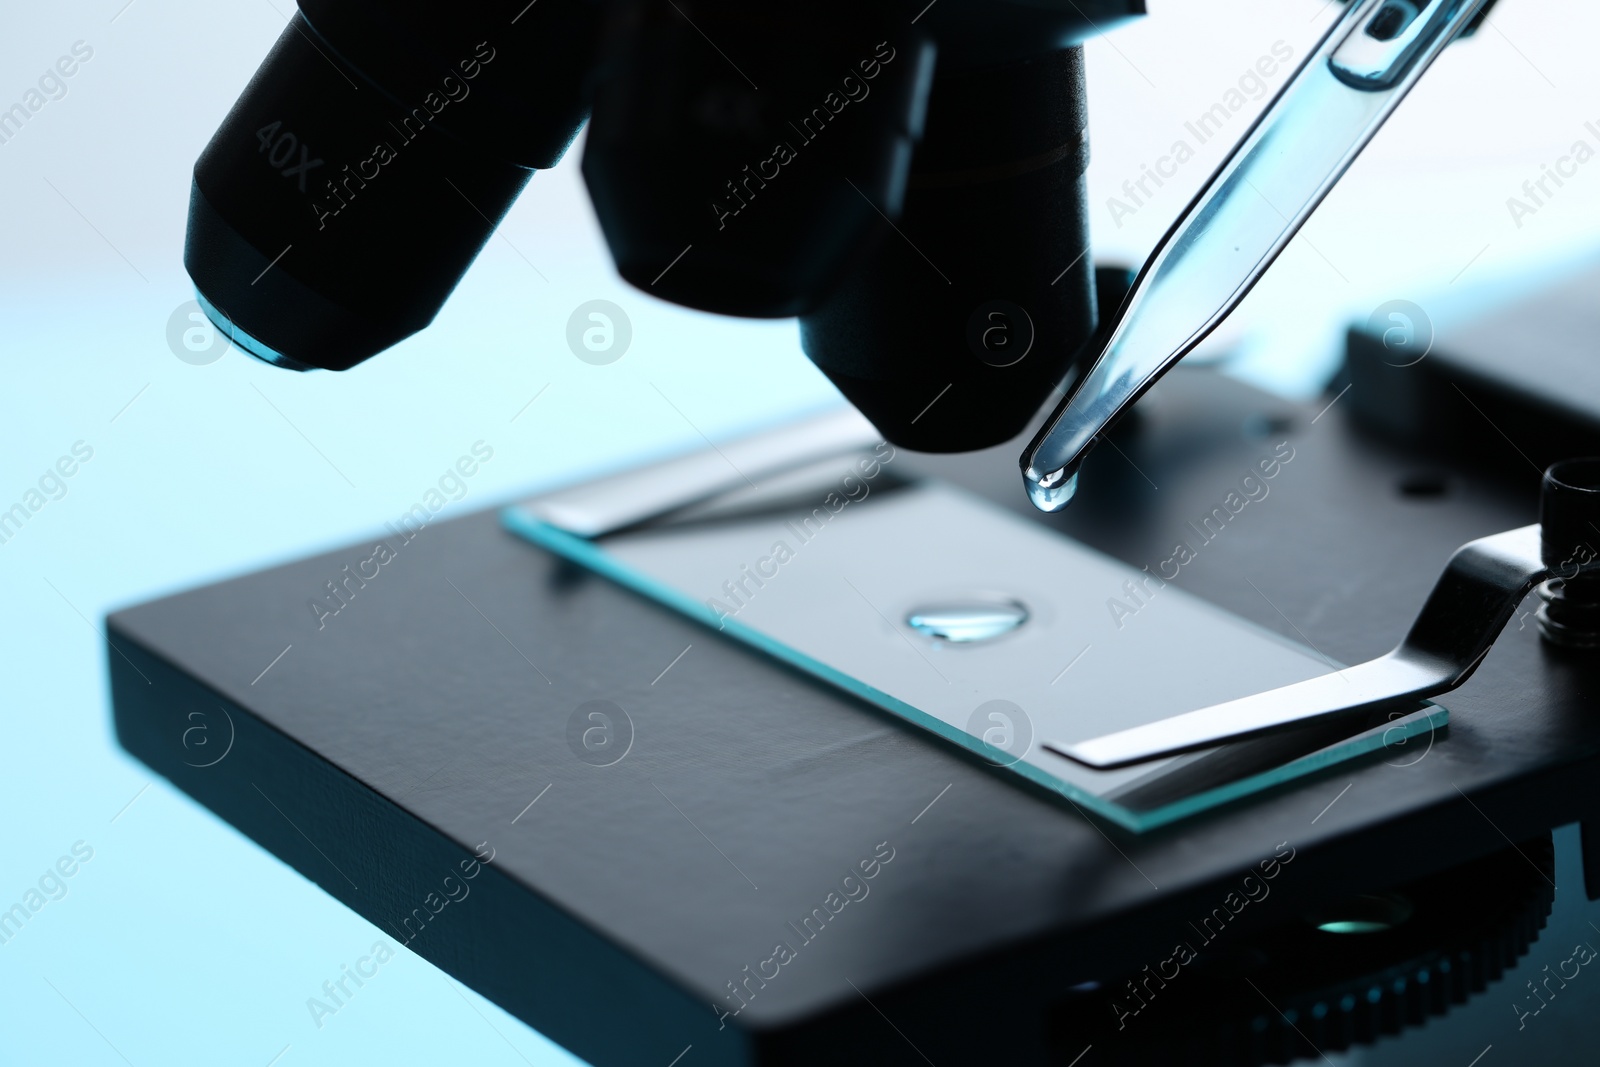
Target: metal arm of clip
x,y
1481,587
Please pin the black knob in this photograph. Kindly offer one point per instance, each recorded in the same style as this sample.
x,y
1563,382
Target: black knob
x,y
1569,524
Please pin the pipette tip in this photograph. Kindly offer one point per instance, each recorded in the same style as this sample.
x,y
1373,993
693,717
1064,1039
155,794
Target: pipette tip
x,y
1050,492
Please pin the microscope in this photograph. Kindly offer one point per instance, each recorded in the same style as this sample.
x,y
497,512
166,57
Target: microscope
x,y
906,179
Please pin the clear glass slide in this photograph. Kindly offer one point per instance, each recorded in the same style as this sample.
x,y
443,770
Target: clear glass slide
x,y
972,623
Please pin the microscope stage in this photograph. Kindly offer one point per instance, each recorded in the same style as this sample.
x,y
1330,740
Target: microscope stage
x,y
773,867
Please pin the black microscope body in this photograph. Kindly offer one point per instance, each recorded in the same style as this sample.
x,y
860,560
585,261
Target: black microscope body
x,y
907,180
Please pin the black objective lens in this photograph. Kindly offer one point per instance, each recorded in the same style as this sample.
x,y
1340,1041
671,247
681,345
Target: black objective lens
x,y
746,178
955,331
942,277
367,163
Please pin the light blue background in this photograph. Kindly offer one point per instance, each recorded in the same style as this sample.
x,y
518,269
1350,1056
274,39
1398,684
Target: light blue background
x,y
182,943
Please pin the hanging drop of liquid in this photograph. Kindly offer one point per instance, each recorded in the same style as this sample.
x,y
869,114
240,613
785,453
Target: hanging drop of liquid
x,y
1052,492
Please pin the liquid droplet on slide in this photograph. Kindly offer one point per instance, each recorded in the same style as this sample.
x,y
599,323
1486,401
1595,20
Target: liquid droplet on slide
x,y
964,622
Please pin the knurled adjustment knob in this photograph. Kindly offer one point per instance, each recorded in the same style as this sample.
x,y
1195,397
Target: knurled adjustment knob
x,y
1569,521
